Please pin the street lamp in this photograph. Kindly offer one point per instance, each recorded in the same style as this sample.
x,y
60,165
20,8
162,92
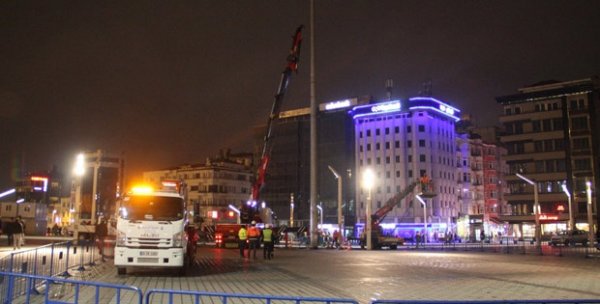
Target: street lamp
x,y
321,219
237,211
422,201
339,210
568,194
291,209
78,172
368,181
588,191
536,210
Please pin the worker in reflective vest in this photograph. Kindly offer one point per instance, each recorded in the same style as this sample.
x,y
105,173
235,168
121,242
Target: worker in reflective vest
x,y
267,242
253,239
243,239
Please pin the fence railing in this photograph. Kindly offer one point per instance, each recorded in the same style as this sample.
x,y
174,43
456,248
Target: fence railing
x,y
61,290
168,296
56,259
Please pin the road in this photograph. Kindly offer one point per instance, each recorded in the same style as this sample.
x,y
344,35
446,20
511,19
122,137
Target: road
x,y
366,275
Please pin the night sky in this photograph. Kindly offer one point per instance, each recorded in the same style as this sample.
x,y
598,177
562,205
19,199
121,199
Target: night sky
x,y
173,82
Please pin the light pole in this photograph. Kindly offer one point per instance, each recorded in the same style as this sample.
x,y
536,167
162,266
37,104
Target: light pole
x,y
588,191
536,210
321,217
78,172
368,180
237,211
568,194
291,209
339,197
422,201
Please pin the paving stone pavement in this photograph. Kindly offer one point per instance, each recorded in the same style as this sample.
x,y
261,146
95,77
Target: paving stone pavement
x,y
368,275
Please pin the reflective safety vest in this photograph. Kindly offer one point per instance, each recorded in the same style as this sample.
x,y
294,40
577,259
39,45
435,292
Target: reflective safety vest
x,y
242,234
253,232
268,235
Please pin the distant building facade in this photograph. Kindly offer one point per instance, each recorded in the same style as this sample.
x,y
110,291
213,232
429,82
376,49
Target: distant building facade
x,y
212,186
552,137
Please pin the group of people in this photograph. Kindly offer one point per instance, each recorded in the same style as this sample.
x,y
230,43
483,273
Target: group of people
x,y
15,232
250,237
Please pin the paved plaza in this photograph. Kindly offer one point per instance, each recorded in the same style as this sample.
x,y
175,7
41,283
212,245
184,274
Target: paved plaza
x,y
366,275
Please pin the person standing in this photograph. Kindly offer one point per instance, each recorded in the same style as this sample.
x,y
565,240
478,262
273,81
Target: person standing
x,y
253,239
267,242
101,232
18,233
243,239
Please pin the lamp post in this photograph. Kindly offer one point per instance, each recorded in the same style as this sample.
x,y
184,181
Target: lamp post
x,y
291,209
78,172
422,201
536,210
588,191
237,211
339,198
368,180
568,194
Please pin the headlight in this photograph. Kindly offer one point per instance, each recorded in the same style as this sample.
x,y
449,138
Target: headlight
x,y
121,238
178,239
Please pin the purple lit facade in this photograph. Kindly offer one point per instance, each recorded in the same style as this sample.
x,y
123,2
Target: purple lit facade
x,y
401,141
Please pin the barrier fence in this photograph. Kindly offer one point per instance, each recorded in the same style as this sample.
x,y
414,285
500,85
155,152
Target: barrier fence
x,y
201,297
60,290
55,290
56,259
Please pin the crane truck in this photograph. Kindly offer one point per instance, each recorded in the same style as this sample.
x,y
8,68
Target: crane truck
x,y
377,238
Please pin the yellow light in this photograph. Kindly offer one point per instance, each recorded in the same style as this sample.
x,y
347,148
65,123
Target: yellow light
x,y
142,189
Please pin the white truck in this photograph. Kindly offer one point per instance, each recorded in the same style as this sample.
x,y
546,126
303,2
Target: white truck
x,y
151,230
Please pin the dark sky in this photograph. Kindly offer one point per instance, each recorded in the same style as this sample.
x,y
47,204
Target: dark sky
x,y
172,82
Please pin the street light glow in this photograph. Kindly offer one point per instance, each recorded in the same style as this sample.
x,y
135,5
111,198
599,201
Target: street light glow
x,y
368,179
79,169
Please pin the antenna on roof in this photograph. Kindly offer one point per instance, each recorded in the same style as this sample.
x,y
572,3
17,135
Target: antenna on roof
x,y
426,89
389,84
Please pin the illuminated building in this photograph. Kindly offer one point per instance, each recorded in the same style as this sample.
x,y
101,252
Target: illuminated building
x,y
551,134
289,170
212,185
402,141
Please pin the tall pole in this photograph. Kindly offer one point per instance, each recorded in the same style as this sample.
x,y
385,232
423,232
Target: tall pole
x,y
368,180
536,211
314,235
339,198
422,201
568,194
291,209
588,191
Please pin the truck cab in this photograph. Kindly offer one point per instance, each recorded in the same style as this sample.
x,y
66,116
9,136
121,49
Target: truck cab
x,y
151,230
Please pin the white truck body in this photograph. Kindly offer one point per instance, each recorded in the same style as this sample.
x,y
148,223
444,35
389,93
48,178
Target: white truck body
x,y
151,231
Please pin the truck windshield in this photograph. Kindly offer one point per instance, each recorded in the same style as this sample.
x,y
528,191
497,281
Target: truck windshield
x,y
152,208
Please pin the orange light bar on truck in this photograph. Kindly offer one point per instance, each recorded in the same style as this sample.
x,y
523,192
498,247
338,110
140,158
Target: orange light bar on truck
x,y
142,189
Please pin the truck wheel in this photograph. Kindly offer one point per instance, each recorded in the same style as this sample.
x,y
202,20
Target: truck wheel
x,y
121,271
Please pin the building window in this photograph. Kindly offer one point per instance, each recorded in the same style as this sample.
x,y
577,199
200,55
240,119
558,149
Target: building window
x,y
397,144
387,131
583,164
377,132
377,146
387,145
397,173
408,129
397,130
536,126
360,134
397,158
368,133
368,147
581,143
410,175
387,159
378,160
410,158
409,143
508,111
579,123
421,143
421,128
422,158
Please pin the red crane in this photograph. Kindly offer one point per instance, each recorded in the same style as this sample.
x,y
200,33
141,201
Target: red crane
x,y
249,210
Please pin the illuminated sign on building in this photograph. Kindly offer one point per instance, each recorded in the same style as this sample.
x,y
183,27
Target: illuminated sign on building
x,y
338,104
44,181
386,107
430,103
375,109
548,217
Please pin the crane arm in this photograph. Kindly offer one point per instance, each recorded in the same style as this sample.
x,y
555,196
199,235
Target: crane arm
x,y
291,66
380,214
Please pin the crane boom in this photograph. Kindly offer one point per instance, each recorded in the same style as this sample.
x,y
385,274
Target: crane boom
x,y
291,66
380,214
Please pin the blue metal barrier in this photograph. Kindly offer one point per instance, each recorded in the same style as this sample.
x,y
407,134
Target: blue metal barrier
x,y
576,301
81,292
225,297
49,260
